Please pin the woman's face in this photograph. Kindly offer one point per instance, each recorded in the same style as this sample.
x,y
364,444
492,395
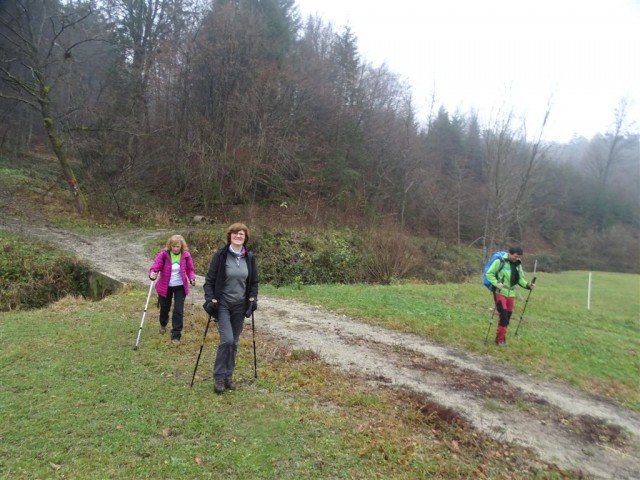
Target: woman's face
x,y
176,247
237,238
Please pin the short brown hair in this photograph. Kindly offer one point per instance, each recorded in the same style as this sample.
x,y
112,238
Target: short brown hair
x,y
235,228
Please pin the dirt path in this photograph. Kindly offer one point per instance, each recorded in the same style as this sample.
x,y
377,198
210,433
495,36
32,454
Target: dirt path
x,y
565,426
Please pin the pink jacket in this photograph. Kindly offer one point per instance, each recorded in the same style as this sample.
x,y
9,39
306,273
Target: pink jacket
x,y
162,264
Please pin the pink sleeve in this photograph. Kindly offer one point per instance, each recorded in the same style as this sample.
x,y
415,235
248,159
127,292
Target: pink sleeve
x,y
191,271
157,264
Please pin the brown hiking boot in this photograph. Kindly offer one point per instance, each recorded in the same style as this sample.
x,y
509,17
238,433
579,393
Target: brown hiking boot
x,y
228,384
218,386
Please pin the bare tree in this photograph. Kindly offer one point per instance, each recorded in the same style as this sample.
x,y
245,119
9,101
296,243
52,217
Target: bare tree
x,y
142,27
240,102
500,150
511,163
533,153
604,156
608,151
37,41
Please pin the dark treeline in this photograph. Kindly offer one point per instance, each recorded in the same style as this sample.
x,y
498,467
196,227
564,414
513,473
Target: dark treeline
x,y
212,104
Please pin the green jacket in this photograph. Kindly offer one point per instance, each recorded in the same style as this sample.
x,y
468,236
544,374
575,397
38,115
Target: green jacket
x,y
504,275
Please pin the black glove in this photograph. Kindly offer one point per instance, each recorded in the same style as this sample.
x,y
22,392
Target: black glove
x,y
211,308
253,306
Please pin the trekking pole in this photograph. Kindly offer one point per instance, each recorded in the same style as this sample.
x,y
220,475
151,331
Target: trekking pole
x,y
192,323
490,323
200,353
525,306
255,359
144,312
495,307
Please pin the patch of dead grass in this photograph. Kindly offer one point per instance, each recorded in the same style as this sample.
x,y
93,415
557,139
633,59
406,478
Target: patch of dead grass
x,y
398,426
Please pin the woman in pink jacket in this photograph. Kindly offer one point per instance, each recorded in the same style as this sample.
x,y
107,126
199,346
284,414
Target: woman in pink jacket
x,y
173,267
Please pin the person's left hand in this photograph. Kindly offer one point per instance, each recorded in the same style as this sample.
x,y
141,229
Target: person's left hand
x,y
193,282
253,306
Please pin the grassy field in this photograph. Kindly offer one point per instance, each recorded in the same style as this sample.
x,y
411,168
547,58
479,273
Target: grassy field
x,y
596,349
77,402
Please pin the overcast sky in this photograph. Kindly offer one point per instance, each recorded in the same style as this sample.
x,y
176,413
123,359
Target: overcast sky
x,y
583,55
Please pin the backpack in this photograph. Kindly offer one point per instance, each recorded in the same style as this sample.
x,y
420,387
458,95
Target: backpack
x,y
496,256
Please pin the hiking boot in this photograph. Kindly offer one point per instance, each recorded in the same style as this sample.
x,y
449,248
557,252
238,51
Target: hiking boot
x,y
229,384
218,386
175,341
163,330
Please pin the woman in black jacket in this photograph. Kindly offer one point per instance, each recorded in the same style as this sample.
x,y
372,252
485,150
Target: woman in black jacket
x,y
230,295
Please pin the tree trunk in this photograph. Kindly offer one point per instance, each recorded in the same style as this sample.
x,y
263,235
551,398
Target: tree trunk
x,y
58,148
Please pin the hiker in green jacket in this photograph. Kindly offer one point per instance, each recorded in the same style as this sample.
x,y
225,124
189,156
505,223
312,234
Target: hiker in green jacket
x,y
504,274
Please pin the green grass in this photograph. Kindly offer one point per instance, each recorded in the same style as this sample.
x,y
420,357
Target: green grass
x,y
13,177
597,350
77,402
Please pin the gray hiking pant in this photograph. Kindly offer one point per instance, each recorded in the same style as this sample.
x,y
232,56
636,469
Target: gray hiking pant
x,y
230,325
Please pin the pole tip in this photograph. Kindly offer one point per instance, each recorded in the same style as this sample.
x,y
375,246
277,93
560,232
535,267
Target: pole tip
x,y
135,347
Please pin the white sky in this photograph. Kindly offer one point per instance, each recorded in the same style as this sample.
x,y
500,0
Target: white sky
x,y
582,55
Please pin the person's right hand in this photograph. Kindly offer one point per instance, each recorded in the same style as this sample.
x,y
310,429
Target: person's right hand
x,y
153,275
211,308
500,285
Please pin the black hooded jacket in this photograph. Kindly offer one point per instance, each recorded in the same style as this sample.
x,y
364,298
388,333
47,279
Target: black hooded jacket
x,y
216,275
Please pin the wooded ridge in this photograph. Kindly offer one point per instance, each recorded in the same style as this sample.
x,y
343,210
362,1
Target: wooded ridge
x,y
210,106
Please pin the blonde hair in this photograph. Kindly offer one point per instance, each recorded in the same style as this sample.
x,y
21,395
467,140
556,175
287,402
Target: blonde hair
x,y
235,228
173,239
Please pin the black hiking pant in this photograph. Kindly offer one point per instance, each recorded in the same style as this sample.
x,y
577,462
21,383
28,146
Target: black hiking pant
x,y
178,310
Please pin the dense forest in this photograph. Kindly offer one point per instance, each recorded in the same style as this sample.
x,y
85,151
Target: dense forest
x,y
204,106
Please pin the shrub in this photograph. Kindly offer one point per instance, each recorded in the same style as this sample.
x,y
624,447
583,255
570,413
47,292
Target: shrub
x,y
294,256
448,263
289,256
389,257
305,256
